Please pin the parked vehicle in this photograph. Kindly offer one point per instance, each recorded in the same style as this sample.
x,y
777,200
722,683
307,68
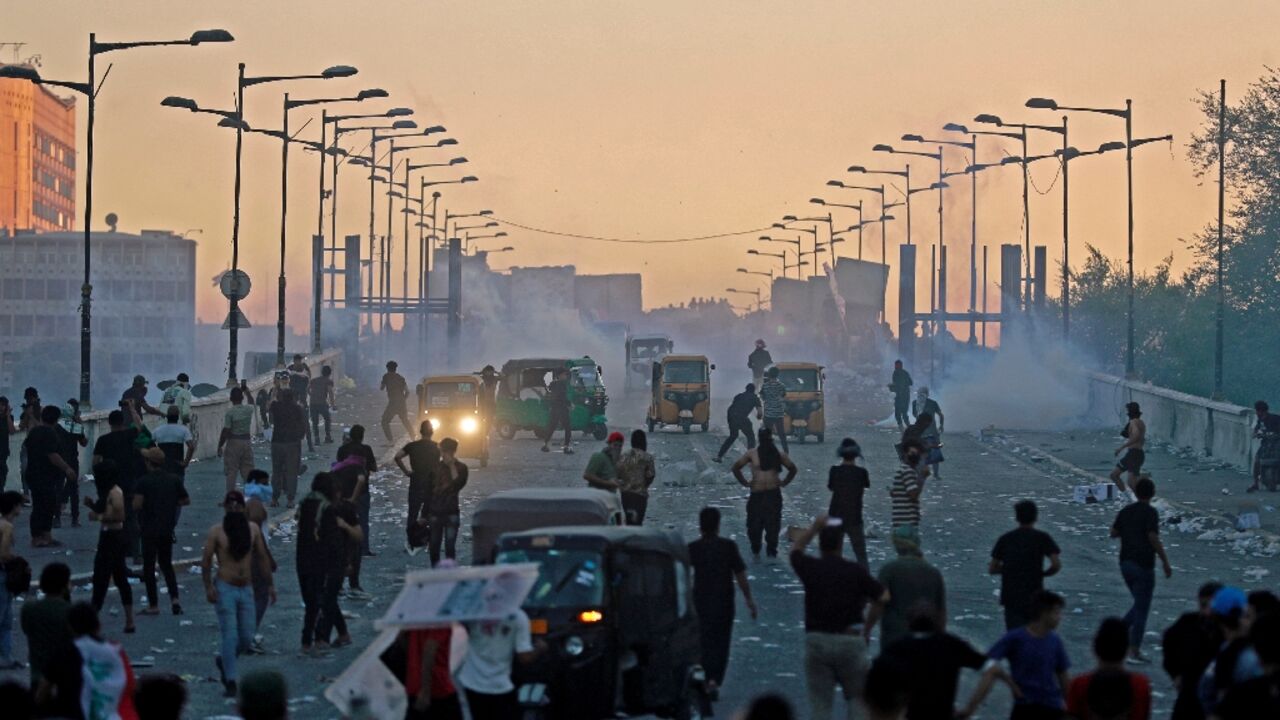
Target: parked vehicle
x,y
530,508
615,607
522,393
642,351
806,414
681,393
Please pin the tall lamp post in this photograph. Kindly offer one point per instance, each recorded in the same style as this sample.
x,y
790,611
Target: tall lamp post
x,y
905,173
755,293
90,90
769,238
857,227
884,210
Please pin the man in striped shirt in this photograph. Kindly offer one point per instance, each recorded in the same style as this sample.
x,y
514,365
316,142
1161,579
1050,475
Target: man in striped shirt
x,y
908,484
773,396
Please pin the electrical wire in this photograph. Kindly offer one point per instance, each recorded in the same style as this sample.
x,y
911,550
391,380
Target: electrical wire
x,y
632,241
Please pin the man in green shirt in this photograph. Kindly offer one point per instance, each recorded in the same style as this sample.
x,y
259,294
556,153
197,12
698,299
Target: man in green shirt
x,y
44,621
602,468
913,585
233,445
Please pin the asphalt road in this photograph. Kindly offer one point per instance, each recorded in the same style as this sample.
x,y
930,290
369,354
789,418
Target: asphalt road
x,y
963,515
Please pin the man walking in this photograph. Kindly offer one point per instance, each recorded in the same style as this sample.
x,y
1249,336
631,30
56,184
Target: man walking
x,y
47,471
71,438
157,500
900,386
1138,527
602,467
1018,558
837,592
444,516
1038,664
1266,429
397,401
716,565
1134,433
773,395
908,484
233,443
286,446
176,442
357,447
237,544
299,382
758,360
739,419
912,583
321,400
764,504
558,409
424,465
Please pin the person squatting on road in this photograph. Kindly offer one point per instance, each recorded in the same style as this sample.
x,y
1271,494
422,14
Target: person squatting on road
x,y
848,482
900,386
558,409
397,401
837,592
773,396
1018,558
424,465
1134,433
764,504
739,419
716,565
636,473
237,544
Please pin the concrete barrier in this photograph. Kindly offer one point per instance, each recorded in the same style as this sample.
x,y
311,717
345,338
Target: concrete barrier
x,y
1216,429
207,415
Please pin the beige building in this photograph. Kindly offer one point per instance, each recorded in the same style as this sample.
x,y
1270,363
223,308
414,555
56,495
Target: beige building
x,y
37,158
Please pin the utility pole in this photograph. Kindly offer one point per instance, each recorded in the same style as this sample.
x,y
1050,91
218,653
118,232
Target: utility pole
x,y
1222,157
1066,243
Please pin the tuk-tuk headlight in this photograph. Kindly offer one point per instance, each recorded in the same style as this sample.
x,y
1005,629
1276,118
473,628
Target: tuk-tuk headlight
x,y
468,425
669,396
574,646
435,423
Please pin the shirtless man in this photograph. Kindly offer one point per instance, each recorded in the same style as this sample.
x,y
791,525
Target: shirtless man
x,y
764,506
1135,440
238,545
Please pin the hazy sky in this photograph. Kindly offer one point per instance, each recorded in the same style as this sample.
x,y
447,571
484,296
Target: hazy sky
x,y
655,119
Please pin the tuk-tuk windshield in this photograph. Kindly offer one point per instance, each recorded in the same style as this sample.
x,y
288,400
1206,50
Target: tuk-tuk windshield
x,y
799,380
648,348
585,376
684,371
451,394
566,578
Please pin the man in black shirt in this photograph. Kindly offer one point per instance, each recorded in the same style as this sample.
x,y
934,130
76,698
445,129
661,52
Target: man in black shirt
x,y
397,398
836,591
299,381
558,411
288,429
356,446
716,564
47,471
1188,646
933,658
424,464
1138,527
1267,428
136,396
70,439
156,499
758,360
900,386
739,417
1018,558
120,446
444,516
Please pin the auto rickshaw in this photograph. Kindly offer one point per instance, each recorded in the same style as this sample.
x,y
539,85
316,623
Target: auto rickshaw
x,y
615,608
522,392
529,508
451,403
805,413
681,392
642,351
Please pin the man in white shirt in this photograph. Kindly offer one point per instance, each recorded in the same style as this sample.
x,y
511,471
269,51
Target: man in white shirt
x,y
176,441
492,646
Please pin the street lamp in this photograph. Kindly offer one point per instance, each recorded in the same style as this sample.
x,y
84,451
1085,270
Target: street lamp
x,y
90,90
756,272
755,293
882,220
904,173
1040,103
884,209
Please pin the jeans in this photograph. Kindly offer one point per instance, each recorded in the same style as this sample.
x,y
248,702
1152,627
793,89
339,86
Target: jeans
x,y
6,620
444,529
738,426
320,410
108,564
235,620
311,587
1142,585
330,612
779,427
286,459
44,503
764,517
261,601
153,549
830,660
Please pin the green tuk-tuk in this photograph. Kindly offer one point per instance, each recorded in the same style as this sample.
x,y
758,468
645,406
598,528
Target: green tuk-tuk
x,y
522,396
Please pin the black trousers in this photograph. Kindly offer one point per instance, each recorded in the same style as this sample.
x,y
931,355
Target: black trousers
x,y
320,410
738,426
443,708
1026,711
419,499
857,539
108,565
901,409
153,549
444,532
716,630
44,503
330,613
634,506
493,707
132,531
67,490
764,517
559,418
779,427
311,586
1017,613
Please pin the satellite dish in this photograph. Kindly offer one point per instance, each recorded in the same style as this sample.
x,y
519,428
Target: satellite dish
x,y
112,220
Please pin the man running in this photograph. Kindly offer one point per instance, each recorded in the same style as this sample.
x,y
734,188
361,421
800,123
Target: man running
x,y
1133,447
320,398
237,544
758,360
424,464
558,409
739,417
900,386
773,395
764,505
397,401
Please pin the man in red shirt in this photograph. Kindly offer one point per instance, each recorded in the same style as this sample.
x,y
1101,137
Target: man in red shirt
x,y
1110,691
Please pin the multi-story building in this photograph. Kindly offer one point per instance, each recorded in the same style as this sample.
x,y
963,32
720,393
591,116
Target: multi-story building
x,y
37,157
143,308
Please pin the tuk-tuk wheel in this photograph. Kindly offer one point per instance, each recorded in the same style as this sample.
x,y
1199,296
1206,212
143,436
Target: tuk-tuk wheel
x,y
686,426
705,426
652,424
506,430
599,431
820,437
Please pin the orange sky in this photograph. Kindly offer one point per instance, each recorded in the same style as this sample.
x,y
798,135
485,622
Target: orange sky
x,y
654,119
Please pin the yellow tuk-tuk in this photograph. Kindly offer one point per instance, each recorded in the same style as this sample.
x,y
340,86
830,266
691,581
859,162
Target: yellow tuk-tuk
x,y
451,403
681,392
806,414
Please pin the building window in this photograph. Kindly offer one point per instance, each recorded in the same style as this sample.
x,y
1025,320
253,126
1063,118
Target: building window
x,y
34,289
120,363
6,325
13,289
22,325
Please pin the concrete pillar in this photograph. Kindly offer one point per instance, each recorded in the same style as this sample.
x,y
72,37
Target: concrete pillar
x,y
907,304
1010,288
455,301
